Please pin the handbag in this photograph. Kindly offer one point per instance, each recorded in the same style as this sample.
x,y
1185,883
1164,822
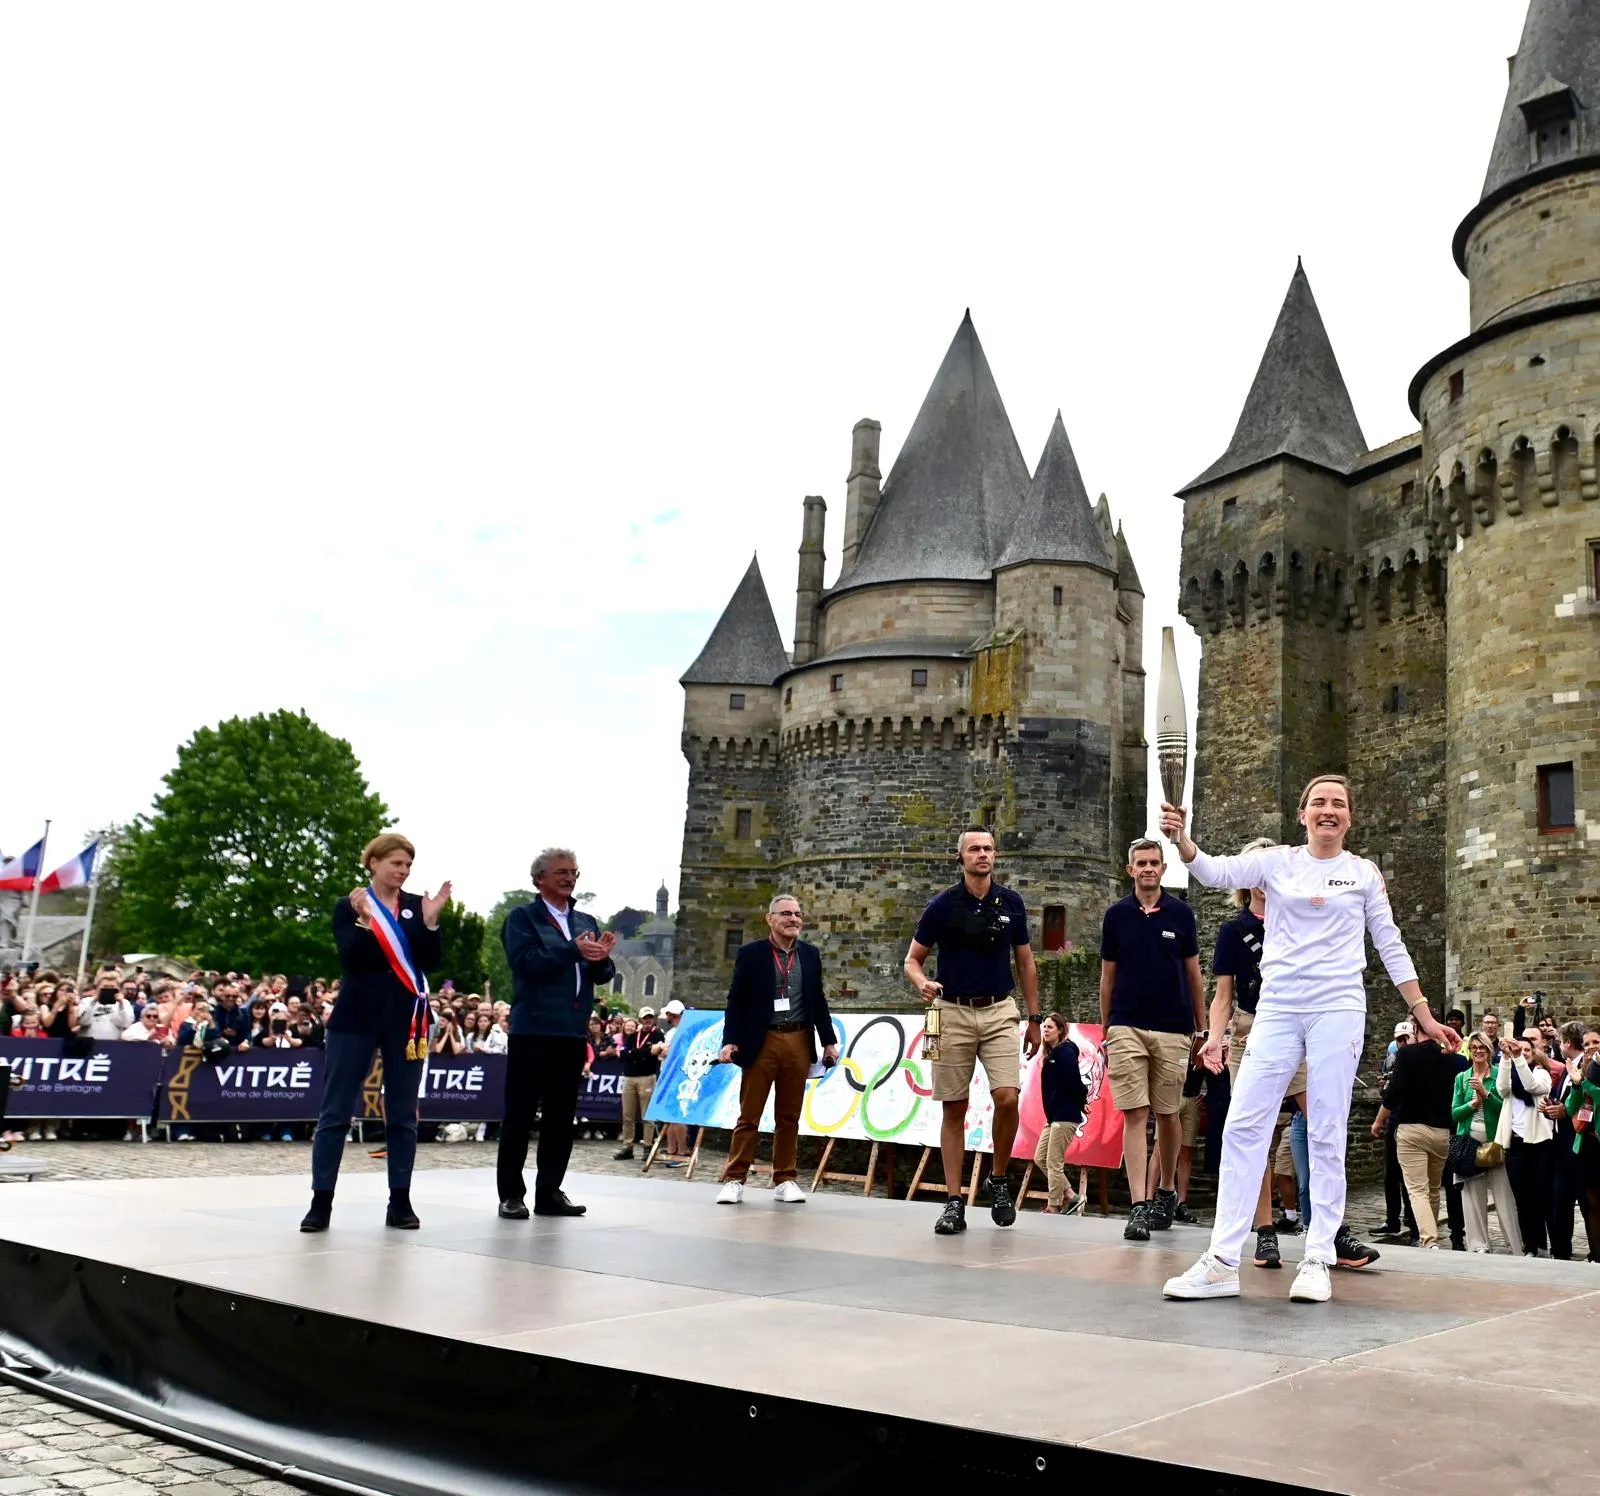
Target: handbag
x,y
1492,1155
1463,1156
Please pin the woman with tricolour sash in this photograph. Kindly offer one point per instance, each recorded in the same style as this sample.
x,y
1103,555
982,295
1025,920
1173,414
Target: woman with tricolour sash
x,y
387,940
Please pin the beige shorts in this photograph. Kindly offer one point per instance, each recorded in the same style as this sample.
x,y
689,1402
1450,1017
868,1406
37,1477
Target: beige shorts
x,y
968,1035
1189,1114
1283,1155
1242,1024
1146,1068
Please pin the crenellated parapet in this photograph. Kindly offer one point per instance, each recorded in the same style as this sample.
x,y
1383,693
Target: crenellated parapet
x,y
1477,481
986,735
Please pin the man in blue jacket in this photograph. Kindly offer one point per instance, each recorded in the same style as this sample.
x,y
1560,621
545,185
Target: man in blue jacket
x,y
777,1016
557,955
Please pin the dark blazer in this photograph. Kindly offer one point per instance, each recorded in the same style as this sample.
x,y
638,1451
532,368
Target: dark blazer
x,y
545,998
372,999
755,988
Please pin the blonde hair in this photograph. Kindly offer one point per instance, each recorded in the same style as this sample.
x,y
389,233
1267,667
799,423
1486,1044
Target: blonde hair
x,y
382,845
1241,896
1338,779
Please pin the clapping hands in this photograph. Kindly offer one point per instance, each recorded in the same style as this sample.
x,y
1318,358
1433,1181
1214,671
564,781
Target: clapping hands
x,y
433,903
596,948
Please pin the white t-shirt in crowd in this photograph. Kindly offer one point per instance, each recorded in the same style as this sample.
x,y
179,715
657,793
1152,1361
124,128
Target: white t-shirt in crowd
x,y
1318,911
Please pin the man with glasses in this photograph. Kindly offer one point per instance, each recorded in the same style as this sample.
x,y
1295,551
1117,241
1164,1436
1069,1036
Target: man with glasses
x,y
777,1017
1152,1003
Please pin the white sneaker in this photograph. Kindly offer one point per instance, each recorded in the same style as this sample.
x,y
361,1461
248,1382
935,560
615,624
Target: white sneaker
x,y
1209,1278
789,1193
1311,1284
731,1193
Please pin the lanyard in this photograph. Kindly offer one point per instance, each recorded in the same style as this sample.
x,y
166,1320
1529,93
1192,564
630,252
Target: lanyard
x,y
784,967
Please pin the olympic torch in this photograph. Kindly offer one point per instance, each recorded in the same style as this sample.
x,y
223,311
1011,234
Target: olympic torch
x,y
1172,724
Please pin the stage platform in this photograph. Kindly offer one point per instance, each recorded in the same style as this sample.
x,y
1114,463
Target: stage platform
x,y
667,1343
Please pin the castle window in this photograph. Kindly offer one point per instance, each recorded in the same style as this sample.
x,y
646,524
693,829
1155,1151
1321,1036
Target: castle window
x,y
736,701
1458,385
788,695
1408,491
1594,570
1327,696
1230,507
1396,701
649,986
1055,927
616,984
732,939
1055,596
741,825
919,677
1557,801
836,683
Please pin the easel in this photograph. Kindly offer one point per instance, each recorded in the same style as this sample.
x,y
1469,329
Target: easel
x,y
1043,1195
867,1180
919,1186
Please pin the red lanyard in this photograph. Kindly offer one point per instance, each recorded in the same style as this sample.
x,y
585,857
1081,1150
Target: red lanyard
x,y
784,967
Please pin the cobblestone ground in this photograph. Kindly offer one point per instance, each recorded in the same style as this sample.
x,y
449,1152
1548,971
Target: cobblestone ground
x,y
48,1446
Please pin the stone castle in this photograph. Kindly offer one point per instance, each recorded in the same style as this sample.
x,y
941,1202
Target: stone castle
x,y
977,662
1424,617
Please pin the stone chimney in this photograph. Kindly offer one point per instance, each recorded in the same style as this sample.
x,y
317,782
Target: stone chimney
x,y
862,491
808,590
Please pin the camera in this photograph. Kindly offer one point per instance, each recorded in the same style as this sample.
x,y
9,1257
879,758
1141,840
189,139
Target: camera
x,y
280,1025
988,922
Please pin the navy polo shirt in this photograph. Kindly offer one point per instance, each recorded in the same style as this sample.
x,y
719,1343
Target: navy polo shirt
x,y
1234,958
1151,991
973,963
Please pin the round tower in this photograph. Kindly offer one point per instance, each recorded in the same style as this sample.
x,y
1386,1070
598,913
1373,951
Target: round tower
x,y
1509,453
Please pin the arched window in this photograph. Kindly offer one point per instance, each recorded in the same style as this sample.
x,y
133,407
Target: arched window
x,y
649,986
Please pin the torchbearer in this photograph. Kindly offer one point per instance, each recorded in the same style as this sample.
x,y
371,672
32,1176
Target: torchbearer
x,y
1321,901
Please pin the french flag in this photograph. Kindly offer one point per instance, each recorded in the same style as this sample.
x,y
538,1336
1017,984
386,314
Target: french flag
x,y
21,873
72,874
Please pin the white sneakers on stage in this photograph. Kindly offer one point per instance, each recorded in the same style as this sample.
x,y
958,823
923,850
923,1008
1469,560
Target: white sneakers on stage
x,y
731,1193
789,1193
1311,1284
1209,1278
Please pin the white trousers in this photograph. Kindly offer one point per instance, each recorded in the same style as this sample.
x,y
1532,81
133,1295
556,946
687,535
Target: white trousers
x,y
1330,1043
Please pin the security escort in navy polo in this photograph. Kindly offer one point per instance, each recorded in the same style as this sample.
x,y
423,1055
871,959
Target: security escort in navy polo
x,y
978,927
1152,1003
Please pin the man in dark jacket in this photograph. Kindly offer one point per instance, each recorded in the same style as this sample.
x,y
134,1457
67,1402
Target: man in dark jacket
x,y
777,1015
557,957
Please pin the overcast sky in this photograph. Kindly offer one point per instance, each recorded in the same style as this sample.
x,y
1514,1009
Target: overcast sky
x,y
437,368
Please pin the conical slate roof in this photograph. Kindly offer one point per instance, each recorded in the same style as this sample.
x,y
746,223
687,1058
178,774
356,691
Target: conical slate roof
x,y
1127,576
1298,405
1102,517
956,486
745,648
1056,522
1557,64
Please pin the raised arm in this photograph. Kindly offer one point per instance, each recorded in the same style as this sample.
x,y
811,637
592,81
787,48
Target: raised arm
x,y
1245,870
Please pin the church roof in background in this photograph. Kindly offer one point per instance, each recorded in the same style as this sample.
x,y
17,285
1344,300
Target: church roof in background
x,y
1298,405
947,508
745,648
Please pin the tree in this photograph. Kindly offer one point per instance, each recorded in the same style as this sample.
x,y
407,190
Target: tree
x,y
494,953
242,857
112,936
628,921
463,935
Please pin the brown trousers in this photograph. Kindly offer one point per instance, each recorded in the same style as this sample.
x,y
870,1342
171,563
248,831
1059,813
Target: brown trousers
x,y
783,1062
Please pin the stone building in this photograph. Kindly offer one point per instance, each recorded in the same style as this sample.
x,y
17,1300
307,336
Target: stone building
x,y
645,960
1425,616
977,661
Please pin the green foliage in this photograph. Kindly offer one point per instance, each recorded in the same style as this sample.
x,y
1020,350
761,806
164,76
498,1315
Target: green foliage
x,y
464,936
628,921
494,953
1069,984
242,857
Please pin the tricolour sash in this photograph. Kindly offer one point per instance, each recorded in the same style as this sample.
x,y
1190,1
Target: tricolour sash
x,y
391,938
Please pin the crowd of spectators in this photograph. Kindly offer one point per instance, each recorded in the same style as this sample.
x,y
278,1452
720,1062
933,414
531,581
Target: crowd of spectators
x,y
1507,1123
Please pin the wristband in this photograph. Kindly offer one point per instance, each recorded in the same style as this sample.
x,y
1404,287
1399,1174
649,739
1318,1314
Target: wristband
x,y
1033,1018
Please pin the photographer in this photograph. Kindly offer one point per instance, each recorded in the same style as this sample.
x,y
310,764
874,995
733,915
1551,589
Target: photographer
x,y
106,1016
276,1034
1524,1080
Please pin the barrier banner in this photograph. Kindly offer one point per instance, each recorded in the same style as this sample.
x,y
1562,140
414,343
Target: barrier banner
x,y
600,1100
463,1088
881,1089
112,1080
245,1086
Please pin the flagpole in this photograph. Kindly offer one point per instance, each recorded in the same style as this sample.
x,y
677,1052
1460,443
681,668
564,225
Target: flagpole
x,y
38,878
88,919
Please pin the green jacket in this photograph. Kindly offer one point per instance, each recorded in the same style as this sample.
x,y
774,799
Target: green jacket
x,y
1461,1107
1575,1096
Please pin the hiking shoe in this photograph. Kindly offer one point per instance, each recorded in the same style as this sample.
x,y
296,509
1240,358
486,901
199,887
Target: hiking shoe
x,y
1162,1209
1267,1253
1351,1252
1209,1278
1138,1227
1285,1227
952,1220
1002,1211
1184,1215
1311,1285
1386,1228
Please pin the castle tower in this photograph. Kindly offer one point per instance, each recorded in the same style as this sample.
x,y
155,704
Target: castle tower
x,y
1509,429
730,835
1130,810
1265,537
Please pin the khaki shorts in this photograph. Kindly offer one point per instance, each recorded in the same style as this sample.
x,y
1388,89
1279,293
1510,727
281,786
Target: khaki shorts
x,y
968,1035
1242,1024
1146,1068
1283,1154
1189,1114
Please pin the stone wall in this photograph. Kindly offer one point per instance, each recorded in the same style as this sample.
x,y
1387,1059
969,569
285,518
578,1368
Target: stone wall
x,y
916,610
1536,249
